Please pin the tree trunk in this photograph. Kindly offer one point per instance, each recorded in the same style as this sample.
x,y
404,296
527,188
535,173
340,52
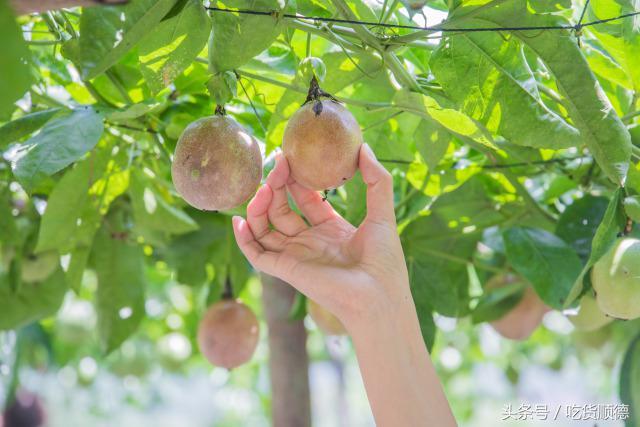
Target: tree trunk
x,y
22,7
288,359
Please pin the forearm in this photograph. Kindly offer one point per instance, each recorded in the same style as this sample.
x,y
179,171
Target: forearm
x,y
401,382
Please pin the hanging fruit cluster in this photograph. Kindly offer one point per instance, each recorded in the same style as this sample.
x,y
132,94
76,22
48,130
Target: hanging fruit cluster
x,y
217,166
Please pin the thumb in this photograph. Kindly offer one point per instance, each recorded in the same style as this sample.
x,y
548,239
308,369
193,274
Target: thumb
x,y
379,187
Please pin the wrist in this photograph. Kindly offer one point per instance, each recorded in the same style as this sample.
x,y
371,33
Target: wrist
x,y
384,319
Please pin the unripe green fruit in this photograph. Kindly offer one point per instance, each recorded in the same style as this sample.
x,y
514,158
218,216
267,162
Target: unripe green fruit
x,y
312,66
525,317
322,143
217,164
616,280
36,268
228,334
326,321
589,317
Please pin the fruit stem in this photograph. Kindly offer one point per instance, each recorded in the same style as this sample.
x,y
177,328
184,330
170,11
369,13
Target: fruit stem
x,y
220,111
228,291
315,92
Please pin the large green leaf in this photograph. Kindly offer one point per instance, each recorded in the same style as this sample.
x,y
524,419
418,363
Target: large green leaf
x,y
236,38
439,246
119,264
31,301
25,125
173,44
612,223
61,142
154,214
620,38
591,112
502,94
630,382
632,207
454,121
67,204
15,76
578,223
545,260
432,142
107,33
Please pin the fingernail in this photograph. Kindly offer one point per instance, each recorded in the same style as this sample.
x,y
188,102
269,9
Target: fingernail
x,y
236,220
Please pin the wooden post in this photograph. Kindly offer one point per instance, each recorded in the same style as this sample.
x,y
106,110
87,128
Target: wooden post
x,y
288,359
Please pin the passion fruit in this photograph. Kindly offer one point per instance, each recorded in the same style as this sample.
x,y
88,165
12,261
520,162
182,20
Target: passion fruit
x,y
217,164
589,317
616,280
324,319
228,334
321,143
525,317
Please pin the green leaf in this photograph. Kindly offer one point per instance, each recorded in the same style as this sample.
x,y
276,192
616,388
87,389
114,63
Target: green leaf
x,y
606,68
15,75
503,95
356,208
427,325
454,121
25,125
190,253
432,142
67,204
632,207
154,214
578,223
61,142
31,301
236,38
8,226
630,382
620,38
495,303
173,45
612,223
108,33
545,260
591,112
438,247
120,269
133,111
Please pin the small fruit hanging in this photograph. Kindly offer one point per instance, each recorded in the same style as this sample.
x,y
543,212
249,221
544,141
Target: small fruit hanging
x,y
228,332
322,141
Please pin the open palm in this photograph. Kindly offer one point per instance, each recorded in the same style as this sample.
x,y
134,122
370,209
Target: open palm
x,y
345,269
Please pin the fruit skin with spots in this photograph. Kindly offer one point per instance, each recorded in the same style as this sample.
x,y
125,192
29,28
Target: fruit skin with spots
x,y
321,143
616,280
525,317
228,334
589,317
217,164
324,319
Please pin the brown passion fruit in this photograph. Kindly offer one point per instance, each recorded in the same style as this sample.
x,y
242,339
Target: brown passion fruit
x,y
525,317
228,334
217,164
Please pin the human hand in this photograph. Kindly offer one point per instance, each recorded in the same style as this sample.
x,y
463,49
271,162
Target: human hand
x,y
356,273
